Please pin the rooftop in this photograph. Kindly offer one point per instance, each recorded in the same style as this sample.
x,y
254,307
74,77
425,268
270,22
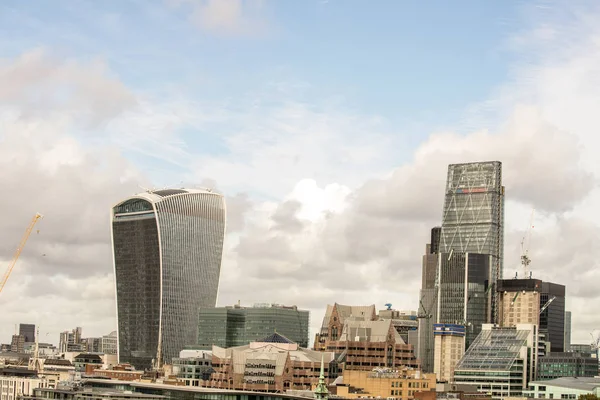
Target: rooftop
x,y
588,384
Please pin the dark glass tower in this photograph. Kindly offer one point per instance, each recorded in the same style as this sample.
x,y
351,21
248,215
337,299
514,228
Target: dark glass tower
x,y
473,216
28,332
462,297
167,249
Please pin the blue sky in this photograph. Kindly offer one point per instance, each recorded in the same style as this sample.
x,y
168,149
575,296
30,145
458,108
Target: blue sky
x,y
342,113
417,66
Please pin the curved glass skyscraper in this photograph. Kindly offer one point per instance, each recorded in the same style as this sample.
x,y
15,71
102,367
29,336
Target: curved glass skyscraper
x,y
167,249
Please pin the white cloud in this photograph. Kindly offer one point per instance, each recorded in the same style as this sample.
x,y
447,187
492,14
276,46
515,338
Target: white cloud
x,y
228,17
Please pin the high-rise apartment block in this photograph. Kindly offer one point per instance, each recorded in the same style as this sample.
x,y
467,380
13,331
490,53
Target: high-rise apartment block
x,y
28,332
238,326
532,301
167,250
473,215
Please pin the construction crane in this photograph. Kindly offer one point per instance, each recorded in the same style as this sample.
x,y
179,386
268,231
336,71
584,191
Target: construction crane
x,y
28,231
547,304
525,260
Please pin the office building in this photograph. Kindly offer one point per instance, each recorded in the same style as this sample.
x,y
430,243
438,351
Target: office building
x,y
28,332
364,344
449,349
463,296
273,364
238,326
18,385
532,301
334,319
93,345
473,216
167,250
195,369
563,388
110,343
71,341
404,322
558,365
17,344
385,383
567,346
501,361
427,313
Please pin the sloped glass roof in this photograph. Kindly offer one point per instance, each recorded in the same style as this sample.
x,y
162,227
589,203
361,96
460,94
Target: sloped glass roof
x,y
495,349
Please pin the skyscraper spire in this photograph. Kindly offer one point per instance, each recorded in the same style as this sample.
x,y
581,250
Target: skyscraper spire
x,y
321,391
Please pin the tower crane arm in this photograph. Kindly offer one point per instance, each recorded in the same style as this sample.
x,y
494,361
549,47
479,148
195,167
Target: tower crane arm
x,y
547,304
28,231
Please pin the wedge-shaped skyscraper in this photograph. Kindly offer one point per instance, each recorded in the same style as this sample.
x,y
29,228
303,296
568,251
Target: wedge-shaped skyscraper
x,y
167,250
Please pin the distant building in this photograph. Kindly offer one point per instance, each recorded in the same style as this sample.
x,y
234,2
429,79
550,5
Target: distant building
x,y
239,326
28,331
86,362
428,301
334,319
463,296
110,343
193,370
17,344
501,361
93,345
167,250
71,341
403,321
365,344
273,364
567,331
449,349
563,388
558,365
532,301
473,217
385,383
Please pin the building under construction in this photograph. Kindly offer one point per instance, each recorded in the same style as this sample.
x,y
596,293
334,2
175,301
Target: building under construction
x,y
532,301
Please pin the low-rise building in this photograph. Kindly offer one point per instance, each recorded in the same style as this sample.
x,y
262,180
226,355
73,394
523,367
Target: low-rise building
x,y
563,388
501,360
18,382
273,364
77,393
385,383
557,365
193,369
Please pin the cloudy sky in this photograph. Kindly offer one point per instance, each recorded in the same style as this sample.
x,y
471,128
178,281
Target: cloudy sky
x,y
328,125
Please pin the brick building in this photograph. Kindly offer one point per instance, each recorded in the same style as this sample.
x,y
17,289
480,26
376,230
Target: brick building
x,y
273,364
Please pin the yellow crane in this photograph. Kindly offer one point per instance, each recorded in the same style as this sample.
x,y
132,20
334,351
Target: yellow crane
x,y
28,231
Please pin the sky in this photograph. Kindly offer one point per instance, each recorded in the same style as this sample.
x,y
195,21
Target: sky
x,y
327,124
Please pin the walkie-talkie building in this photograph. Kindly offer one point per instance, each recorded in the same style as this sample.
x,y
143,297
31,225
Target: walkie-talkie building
x,y
473,216
167,250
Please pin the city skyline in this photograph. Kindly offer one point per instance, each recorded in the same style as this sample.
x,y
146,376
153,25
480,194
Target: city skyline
x,y
328,130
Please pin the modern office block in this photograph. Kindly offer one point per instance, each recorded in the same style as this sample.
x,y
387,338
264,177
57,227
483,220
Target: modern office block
x,y
28,332
237,326
473,215
167,249
449,349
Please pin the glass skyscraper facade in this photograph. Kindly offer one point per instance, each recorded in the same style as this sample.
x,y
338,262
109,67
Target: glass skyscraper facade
x,y
167,250
473,215
238,326
462,297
